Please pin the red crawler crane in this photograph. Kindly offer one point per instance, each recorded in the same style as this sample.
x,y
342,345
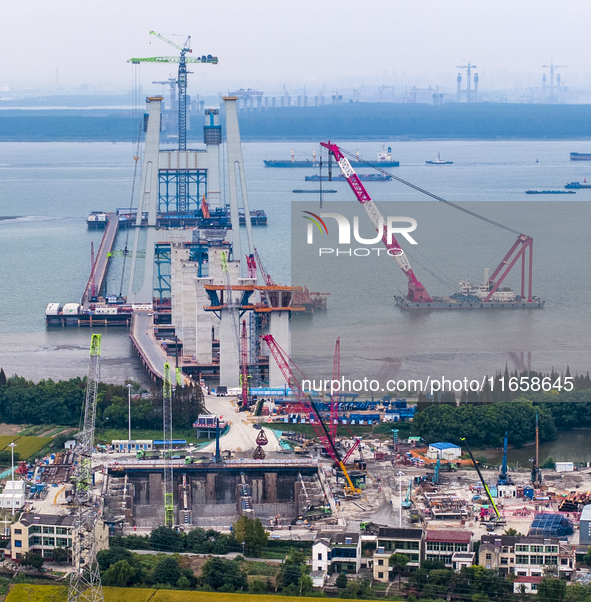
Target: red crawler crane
x,y
284,361
416,291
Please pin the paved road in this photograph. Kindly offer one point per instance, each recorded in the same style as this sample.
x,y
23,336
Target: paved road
x,y
242,435
102,259
142,330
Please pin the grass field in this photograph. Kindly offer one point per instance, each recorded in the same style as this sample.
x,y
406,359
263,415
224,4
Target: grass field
x,y
25,446
6,440
59,593
29,446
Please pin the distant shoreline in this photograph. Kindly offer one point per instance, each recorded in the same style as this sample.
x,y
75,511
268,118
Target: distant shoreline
x,y
355,121
315,139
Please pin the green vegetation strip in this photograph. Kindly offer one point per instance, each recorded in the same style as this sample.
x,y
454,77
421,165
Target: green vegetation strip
x,y
27,447
59,593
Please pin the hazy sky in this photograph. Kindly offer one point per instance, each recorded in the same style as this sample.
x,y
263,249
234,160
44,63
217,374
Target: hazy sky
x,y
271,42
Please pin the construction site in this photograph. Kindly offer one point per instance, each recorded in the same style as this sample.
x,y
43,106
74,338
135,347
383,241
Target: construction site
x,y
203,312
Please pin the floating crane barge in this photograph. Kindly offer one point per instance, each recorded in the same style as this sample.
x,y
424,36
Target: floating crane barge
x,y
490,295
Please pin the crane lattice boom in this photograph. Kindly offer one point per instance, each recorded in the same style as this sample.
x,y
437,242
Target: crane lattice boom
x,y
416,291
267,279
85,578
283,362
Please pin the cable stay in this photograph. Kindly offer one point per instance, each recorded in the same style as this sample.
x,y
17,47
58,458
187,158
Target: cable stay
x,y
434,196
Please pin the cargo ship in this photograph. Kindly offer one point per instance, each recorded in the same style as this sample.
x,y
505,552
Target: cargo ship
x,y
384,160
473,296
577,185
366,177
551,191
580,156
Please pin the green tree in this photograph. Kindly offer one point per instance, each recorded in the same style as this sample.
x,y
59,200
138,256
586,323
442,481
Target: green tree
x,y
341,581
119,574
165,539
218,572
59,555
552,590
433,565
2,377
106,558
33,560
306,584
291,573
167,571
257,586
183,582
252,533
398,562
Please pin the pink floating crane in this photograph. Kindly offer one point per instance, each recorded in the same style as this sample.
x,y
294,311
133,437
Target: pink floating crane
x,y
416,291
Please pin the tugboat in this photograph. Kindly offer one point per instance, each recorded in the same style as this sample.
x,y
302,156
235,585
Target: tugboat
x,y
439,161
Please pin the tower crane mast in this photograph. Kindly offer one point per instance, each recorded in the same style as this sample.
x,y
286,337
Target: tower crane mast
x,y
85,578
167,428
283,362
181,82
416,291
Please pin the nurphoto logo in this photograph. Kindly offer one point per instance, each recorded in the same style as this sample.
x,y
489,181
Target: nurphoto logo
x,y
385,231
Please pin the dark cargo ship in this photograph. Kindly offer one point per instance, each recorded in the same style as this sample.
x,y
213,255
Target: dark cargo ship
x,y
384,160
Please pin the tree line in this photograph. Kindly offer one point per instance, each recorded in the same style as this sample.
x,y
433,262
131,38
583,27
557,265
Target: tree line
x,y
61,402
483,417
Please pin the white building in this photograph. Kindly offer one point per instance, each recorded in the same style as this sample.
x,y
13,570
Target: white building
x,y
13,491
444,451
339,553
585,526
132,445
527,585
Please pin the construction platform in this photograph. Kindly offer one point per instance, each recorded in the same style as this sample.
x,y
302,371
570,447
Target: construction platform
x,y
207,493
449,303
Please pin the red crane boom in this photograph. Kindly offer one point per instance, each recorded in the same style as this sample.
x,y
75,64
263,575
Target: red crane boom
x,y
266,277
416,291
283,362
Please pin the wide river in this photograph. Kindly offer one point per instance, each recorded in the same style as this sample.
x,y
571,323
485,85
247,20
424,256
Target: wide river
x,y
48,189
